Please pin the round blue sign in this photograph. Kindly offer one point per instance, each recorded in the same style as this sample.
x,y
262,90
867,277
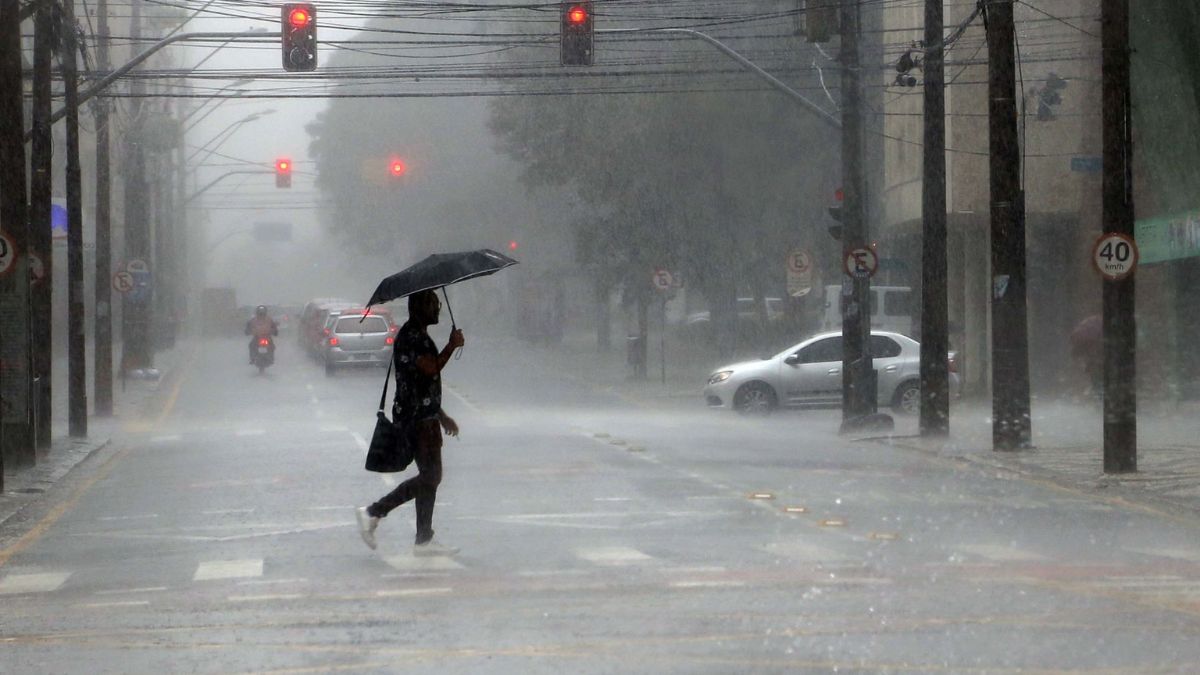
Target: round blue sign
x,y
58,220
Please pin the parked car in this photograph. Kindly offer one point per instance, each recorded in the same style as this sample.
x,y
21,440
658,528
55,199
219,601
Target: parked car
x,y
357,340
312,320
746,311
810,374
891,309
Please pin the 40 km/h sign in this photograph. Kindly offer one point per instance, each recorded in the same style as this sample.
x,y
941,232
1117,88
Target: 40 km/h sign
x,y
1115,255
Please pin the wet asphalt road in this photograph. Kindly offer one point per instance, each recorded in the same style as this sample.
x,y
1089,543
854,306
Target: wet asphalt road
x,y
598,534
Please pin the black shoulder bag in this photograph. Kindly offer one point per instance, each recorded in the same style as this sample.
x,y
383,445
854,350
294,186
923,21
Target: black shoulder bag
x,y
392,445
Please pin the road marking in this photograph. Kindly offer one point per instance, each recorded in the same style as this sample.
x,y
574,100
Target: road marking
x,y
332,429
424,563
415,575
804,551
308,386
268,582
222,512
42,582
360,441
57,512
228,569
119,603
266,597
169,438
401,592
123,591
1000,552
139,517
250,432
553,573
715,583
341,507
314,400
462,399
389,481
612,499
613,555
1179,553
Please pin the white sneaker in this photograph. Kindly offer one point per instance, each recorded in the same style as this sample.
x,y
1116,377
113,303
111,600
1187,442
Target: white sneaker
x,y
433,548
366,526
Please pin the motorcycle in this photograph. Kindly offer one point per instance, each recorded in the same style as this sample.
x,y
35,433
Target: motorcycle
x,y
264,354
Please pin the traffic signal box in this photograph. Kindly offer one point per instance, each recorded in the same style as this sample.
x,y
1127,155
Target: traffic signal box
x,y
283,173
576,33
299,30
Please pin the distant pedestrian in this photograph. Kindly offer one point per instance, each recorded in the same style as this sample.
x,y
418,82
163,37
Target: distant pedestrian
x,y
418,404
1087,349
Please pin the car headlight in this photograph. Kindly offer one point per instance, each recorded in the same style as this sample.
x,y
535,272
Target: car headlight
x,y
719,376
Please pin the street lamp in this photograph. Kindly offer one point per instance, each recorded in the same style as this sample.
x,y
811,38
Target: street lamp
x,y
227,132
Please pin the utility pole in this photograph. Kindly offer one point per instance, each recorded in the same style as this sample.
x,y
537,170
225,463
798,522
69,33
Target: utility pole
x,y
136,350
102,384
76,349
935,396
41,190
1120,329
858,374
1011,425
16,432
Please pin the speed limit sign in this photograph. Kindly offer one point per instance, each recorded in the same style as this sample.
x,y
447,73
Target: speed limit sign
x,y
1115,255
8,255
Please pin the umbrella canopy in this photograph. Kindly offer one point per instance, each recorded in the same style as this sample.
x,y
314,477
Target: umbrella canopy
x,y
438,270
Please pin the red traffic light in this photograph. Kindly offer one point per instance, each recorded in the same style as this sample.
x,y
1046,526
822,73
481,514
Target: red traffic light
x,y
397,167
839,195
577,15
283,166
299,17
512,245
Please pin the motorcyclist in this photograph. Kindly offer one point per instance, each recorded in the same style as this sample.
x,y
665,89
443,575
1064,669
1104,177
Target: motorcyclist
x,y
260,326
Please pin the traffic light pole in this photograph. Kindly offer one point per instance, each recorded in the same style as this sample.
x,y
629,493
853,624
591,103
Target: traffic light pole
x,y
935,396
1011,424
76,354
858,373
102,389
1120,328
40,202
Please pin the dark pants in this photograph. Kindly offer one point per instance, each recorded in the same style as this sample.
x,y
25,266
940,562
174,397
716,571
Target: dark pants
x,y
422,488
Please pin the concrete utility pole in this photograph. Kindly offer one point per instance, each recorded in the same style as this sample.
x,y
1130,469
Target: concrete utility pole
x,y
136,350
1011,425
1120,329
858,373
76,349
41,190
16,430
102,385
935,396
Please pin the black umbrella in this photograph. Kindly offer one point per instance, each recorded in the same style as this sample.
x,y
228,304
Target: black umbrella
x,y
438,271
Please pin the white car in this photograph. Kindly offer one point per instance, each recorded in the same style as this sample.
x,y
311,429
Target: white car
x,y
810,374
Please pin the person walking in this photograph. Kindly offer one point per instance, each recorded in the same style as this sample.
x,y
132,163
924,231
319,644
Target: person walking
x,y
418,405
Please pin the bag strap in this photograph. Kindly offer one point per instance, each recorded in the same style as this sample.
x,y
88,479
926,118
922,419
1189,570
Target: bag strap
x,y
386,379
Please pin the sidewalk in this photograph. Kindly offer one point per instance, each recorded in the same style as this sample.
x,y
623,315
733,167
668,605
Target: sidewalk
x,y
1067,435
22,486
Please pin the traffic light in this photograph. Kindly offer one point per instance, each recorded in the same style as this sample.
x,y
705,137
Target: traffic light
x,y
299,29
512,245
576,33
397,168
820,19
835,212
283,173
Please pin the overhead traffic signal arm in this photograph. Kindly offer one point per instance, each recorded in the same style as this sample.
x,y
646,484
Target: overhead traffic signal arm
x,y
298,26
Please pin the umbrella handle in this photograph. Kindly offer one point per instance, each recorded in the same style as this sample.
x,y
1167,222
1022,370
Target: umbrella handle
x,y
453,326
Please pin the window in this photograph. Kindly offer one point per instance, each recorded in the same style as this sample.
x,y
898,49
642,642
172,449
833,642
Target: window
x,y
827,350
372,324
883,347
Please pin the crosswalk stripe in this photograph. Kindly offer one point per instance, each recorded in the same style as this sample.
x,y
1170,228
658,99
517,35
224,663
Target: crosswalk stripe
x,y
613,555
412,562
1000,553
250,432
228,569
41,582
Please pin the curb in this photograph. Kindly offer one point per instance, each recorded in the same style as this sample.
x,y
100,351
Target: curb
x,y
27,486
1113,492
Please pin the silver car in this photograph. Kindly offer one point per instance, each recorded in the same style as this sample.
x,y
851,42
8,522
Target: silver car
x,y
810,374
355,340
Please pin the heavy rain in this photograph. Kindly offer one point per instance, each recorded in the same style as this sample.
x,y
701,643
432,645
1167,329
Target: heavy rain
x,y
599,336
